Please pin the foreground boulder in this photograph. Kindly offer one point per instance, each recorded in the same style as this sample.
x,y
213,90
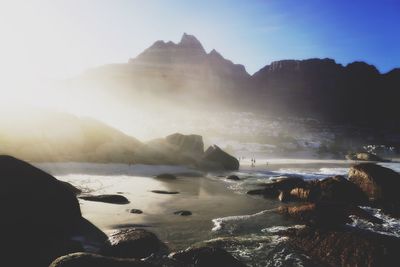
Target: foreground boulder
x,y
94,260
345,246
380,184
133,243
206,257
40,215
215,158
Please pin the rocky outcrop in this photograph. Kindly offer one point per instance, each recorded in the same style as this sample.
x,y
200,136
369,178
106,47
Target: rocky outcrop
x,y
380,184
364,156
191,145
94,260
205,257
40,215
215,158
335,189
345,246
133,243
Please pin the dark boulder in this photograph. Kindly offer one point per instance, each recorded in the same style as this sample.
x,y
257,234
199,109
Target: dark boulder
x,y
167,176
337,189
136,211
280,188
112,199
39,215
132,243
380,184
165,192
206,257
345,246
183,213
94,260
233,178
215,158
317,214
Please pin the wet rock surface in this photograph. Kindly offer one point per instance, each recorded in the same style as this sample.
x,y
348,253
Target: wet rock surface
x,y
112,199
132,243
345,246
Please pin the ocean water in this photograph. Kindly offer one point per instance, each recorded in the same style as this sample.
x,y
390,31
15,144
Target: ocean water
x,y
260,246
223,214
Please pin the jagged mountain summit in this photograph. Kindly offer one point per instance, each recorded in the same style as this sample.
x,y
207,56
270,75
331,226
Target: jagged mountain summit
x,y
184,74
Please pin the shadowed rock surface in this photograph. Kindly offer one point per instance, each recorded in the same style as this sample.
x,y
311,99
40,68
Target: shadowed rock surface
x,y
380,184
346,246
215,158
40,216
133,243
112,199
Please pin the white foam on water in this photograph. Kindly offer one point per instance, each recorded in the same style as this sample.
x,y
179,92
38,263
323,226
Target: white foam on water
x,y
233,223
390,225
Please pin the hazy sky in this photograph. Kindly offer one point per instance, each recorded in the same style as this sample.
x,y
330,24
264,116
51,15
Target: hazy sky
x,y
52,39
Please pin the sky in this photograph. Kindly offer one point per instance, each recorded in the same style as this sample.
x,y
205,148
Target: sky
x,y
52,39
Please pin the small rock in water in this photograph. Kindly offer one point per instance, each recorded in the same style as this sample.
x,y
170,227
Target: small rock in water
x,y
136,211
166,176
233,177
113,199
183,213
164,192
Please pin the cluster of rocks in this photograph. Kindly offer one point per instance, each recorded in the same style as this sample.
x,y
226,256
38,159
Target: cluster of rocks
x,y
325,206
43,226
189,150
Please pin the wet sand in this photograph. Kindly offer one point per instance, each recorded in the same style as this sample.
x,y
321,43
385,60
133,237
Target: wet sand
x,y
207,198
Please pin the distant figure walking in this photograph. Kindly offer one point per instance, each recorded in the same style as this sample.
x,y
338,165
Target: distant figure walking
x,y
253,162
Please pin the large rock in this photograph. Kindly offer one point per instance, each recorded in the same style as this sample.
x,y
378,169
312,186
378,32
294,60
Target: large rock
x,y
337,189
380,184
215,158
94,260
191,145
326,214
39,215
206,257
346,246
133,243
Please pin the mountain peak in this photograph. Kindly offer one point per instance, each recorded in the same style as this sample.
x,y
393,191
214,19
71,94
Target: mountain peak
x,y
190,41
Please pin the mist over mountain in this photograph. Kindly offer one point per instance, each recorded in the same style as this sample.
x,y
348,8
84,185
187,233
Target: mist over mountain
x,y
185,75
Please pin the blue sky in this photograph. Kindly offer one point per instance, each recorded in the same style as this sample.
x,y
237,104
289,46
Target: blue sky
x,y
58,38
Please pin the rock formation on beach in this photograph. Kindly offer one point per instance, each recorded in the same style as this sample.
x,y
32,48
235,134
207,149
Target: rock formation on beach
x,y
325,208
43,226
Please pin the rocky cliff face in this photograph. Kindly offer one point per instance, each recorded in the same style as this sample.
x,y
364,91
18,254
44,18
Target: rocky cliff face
x,y
323,89
185,74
